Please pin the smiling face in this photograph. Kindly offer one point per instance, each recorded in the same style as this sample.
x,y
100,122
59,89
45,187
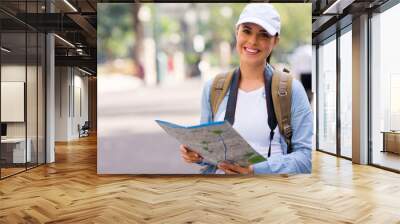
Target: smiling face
x,y
254,44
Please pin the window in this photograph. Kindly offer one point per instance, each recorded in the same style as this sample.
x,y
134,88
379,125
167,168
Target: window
x,y
22,78
346,75
327,96
385,86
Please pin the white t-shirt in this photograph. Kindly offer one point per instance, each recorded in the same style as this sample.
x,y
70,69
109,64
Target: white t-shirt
x,y
251,122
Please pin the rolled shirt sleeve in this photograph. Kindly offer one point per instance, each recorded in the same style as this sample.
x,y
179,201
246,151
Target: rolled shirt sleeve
x,y
299,161
206,112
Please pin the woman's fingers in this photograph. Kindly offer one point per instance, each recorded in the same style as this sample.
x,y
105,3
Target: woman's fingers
x,y
189,155
190,158
233,168
194,156
228,171
186,150
183,149
227,168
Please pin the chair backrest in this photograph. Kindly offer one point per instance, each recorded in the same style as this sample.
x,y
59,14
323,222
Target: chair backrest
x,y
86,125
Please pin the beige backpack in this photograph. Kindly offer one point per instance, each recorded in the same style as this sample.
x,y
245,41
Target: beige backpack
x,y
281,91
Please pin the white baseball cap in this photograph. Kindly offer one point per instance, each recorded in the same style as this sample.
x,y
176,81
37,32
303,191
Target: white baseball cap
x,y
262,14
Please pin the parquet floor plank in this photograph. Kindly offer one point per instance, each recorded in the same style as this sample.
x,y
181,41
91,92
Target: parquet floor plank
x,y
70,191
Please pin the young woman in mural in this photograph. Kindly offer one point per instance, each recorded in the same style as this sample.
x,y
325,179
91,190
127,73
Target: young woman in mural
x,y
246,106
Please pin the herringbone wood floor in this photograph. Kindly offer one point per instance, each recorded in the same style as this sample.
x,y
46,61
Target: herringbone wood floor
x,y
70,191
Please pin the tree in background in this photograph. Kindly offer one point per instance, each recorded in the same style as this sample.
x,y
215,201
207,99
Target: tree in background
x,y
121,32
295,29
139,34
115,33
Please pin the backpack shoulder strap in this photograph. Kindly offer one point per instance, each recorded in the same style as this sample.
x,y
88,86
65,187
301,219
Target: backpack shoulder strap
x,y
282,99
219,88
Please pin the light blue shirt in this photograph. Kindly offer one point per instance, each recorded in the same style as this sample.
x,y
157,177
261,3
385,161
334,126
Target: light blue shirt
x,y
299,161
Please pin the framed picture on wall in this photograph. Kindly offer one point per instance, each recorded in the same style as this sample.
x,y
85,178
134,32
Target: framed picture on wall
x,y
12,101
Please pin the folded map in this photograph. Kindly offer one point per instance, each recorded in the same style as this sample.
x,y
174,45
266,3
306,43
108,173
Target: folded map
x,y
215,142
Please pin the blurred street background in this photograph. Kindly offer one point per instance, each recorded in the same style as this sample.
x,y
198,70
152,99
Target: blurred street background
x,y
131,142
152,62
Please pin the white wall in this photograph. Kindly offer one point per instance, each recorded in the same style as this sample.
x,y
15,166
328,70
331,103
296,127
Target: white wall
x,y
13,73
33,125
16,73
62,80
50,92
80,84
70,83
12,101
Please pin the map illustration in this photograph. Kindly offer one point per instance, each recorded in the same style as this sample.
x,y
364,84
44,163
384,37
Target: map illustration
x,y
215,142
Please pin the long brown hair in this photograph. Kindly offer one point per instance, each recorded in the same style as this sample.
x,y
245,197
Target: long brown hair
x,y
269,56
